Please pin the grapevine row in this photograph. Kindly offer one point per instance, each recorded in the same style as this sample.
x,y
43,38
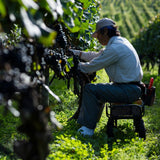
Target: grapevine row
x,y
146,11
127,23
138,13
138,17
147,43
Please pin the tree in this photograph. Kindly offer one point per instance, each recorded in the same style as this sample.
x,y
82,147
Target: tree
x,y
147,43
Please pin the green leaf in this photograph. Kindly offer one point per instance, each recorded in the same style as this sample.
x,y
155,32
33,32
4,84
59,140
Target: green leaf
x,y
86,4
48,40
85,25
70,22
77,22
93,10
2,8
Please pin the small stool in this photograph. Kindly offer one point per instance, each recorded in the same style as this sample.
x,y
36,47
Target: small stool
x,y
133,111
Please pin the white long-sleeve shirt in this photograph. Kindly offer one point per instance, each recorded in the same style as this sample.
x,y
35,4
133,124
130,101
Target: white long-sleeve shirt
x,y
88,56
119,59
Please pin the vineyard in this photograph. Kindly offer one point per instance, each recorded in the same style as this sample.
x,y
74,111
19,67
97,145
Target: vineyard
x,y
41,87
131,16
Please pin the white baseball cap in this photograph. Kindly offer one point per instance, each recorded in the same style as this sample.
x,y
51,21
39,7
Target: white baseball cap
x,y
102,23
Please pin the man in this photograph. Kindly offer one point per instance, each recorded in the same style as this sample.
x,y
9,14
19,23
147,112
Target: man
x,y
122,64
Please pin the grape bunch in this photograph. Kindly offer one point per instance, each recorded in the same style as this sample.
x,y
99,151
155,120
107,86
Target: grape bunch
x,y
61,39
17,57
18,84
58,62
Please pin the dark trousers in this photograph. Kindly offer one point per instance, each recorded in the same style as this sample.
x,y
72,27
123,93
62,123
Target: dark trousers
x,y
95,95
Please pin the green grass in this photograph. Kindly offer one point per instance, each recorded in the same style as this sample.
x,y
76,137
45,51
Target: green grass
x,y
69,144
8,134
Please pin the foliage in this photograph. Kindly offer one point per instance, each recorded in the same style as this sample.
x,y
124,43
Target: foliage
x,y
79,17
69,144
78,22
125,146
75,148
8,125
139,21
42,23
147,42
130,15
12,38
38,17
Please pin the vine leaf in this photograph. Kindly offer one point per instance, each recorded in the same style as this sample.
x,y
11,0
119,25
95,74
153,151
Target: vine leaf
x,y
2,9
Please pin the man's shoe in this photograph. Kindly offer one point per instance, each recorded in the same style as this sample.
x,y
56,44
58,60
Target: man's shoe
x,y
86,131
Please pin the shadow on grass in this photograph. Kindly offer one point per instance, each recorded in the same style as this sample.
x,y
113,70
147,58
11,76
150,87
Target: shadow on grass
x,y
124,133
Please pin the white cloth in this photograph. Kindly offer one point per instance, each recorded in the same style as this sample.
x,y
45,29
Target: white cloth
x,y
119,59
86,131
75,52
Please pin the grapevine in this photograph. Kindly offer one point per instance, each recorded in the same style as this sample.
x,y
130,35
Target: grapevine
x,y
46,36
